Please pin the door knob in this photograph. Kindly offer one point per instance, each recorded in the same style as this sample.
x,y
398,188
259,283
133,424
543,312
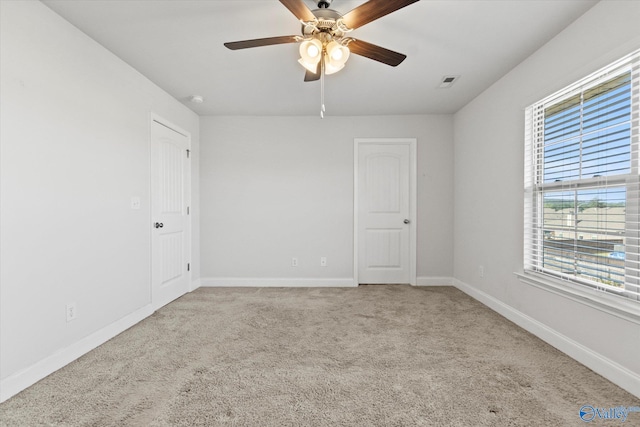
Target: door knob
x,y
406,221
158,225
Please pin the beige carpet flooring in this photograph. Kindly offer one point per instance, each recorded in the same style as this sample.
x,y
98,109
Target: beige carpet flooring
x,y
367,356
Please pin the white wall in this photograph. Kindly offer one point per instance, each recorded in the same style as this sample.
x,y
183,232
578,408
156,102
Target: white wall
x,y
489,186
74,150
274,188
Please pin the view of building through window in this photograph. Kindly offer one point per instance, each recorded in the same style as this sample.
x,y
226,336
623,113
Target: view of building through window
x,y
582,187
586,137
586,238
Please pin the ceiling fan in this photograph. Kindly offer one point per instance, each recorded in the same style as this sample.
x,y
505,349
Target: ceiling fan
x,y
324,44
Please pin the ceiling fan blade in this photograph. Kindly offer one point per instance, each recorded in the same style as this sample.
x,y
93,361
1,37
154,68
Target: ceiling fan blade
x,y
376,53
299,9
310,76
268,41
372,10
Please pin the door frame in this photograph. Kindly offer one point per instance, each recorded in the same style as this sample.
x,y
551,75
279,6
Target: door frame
x,y
413,199
153,117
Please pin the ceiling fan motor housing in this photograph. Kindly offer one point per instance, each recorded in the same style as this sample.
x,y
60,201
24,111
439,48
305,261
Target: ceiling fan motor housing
x,y
327,25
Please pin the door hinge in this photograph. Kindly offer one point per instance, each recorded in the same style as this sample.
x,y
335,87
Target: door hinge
x,y
188,153
187,210
188,266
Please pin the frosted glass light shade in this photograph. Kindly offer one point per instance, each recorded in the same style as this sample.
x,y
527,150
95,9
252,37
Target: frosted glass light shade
x,y
337,55
330,69
311,67
311,51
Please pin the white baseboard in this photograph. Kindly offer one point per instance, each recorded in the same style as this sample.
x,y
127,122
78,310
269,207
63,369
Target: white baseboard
x,y
217,282
604,366
434,281
195,284
19,381
212,282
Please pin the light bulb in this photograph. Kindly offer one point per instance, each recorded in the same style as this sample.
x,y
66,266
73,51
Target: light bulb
x,y
336,55
312,50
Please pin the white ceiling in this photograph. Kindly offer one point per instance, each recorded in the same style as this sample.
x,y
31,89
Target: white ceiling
x,y
178,44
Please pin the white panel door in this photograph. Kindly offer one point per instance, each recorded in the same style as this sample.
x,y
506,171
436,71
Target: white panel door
x,y
384,213
170,241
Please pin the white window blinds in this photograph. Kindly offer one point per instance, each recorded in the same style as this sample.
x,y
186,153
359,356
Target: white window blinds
x,y
582,191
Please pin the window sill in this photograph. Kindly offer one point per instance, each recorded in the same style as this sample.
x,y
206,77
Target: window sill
x,y
610,304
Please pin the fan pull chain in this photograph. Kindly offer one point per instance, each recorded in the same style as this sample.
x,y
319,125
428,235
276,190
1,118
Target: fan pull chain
x,y
322,109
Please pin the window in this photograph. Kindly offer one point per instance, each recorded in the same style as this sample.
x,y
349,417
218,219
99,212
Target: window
x,y
582,190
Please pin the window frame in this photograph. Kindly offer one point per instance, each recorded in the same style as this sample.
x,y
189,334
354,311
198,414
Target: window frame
x,y
621,302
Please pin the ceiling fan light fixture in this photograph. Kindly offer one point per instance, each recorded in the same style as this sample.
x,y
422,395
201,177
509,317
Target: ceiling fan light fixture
x,y
310,54
310,51
331,69
323,44
337,56
335,52
311,67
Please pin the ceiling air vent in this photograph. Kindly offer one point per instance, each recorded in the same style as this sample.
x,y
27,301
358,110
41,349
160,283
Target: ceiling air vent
x,y
448,81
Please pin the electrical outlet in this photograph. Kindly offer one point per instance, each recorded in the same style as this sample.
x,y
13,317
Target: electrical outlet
x,y
71,311
294,262
481,271
323,261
